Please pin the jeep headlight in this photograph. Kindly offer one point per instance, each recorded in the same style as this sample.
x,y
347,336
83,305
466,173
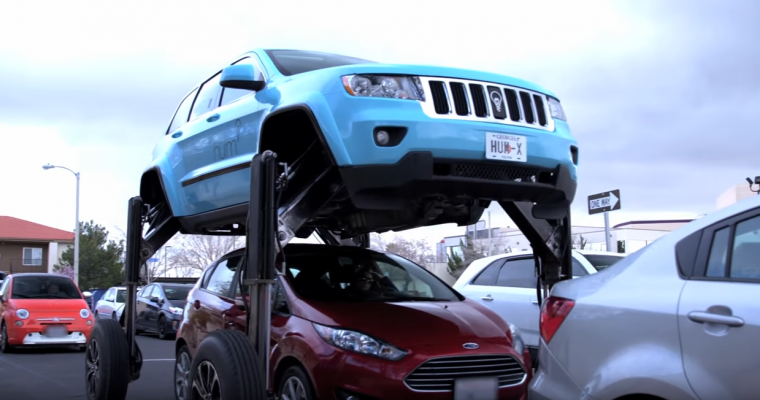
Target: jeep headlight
x,y
555,108
517,340
388,86
358,342
176,310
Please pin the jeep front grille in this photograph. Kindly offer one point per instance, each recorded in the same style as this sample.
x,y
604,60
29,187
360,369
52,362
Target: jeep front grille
x,y
487,171
438,374
487,102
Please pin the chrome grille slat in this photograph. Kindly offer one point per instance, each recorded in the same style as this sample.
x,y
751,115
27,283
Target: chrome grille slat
x,y
521,105
438,374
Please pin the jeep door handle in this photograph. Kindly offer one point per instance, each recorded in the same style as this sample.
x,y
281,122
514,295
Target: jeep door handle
x,y
706,317
212,118
487,298
535,302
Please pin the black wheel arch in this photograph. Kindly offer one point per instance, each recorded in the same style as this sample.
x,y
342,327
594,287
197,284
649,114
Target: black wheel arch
x,y
272,120
152,189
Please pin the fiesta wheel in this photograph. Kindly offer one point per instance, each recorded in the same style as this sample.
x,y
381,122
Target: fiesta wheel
x,y
226,367
107,362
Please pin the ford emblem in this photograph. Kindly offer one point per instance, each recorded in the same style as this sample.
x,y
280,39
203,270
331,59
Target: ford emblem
x,y
55,319
470,346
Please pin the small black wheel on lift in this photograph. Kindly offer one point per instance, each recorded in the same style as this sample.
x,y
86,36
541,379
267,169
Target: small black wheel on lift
x,y
225,366
107,362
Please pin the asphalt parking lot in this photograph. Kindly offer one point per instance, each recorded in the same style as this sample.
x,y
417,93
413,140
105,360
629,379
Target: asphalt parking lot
x,y
51,374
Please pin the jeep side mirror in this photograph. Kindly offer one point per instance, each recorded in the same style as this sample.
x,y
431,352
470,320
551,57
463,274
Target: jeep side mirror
x,y
242,76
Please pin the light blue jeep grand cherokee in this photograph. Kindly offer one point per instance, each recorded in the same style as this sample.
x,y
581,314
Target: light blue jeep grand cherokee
x,y
413,145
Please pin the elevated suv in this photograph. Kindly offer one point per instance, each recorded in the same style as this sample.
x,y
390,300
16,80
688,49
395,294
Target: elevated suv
x,y
410,145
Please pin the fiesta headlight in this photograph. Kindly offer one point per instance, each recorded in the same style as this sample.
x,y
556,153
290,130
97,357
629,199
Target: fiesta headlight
x,y
22,313
358,343
555,108
84,313
517,340
176,310
388,86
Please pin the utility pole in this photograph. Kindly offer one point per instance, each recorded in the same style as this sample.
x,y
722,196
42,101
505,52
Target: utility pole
x,y
489,233
166,267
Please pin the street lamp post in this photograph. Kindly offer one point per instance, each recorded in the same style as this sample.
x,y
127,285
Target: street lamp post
x,y
76,230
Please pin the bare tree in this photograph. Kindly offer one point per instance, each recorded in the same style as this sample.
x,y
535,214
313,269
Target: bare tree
x,y
417,250
190,254
580,242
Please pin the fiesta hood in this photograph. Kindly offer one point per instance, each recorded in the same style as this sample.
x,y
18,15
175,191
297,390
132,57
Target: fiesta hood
x,y
411,323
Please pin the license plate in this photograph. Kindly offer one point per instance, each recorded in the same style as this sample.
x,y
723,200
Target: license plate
x,y
506,147
476,388
56,331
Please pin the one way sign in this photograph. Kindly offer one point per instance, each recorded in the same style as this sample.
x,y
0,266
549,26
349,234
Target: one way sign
x,y
604,202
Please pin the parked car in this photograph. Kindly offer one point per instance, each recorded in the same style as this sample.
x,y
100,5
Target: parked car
x,y
2,276
111,305
331,340
396,132
678,319
160,307
507,283
40,309
95,296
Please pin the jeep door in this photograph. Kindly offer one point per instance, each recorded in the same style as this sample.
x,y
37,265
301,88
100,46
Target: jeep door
x,y
219,141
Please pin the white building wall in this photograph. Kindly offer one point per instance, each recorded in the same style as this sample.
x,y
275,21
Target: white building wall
x,y
734,194
52,256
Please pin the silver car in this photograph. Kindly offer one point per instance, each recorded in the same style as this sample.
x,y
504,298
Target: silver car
x,y
111,305
678,319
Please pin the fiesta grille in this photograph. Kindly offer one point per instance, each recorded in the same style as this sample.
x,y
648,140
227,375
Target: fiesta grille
x,y
489,172
488,102
439,374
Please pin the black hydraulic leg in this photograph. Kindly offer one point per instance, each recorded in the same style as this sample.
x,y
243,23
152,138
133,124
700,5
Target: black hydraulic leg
x,y
132,263
551,241
260,255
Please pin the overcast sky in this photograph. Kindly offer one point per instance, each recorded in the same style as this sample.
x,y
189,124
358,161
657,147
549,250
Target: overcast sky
x,y
662,95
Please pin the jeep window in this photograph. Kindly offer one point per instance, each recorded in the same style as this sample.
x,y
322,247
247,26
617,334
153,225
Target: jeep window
x,y
180,117
208,97
291,62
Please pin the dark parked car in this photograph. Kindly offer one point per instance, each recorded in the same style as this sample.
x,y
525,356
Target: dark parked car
x,y
349,322
2,276
160,307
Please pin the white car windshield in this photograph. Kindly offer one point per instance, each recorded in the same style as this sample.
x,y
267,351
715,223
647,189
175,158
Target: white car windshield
x,y
602,261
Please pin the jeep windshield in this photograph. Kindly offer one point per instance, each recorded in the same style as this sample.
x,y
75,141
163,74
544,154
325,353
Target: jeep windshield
x,y
361,275
44,287
292,62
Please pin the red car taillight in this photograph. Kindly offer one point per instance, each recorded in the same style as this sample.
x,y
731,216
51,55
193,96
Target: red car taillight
x,y
553,313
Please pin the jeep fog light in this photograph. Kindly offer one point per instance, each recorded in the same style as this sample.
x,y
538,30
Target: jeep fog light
x,y
382,138
392,87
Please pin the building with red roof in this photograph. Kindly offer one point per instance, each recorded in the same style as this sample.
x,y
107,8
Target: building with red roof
x,y
27,246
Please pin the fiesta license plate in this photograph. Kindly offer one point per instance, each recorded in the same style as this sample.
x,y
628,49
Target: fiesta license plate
x,y
476,388
506,147
54,331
